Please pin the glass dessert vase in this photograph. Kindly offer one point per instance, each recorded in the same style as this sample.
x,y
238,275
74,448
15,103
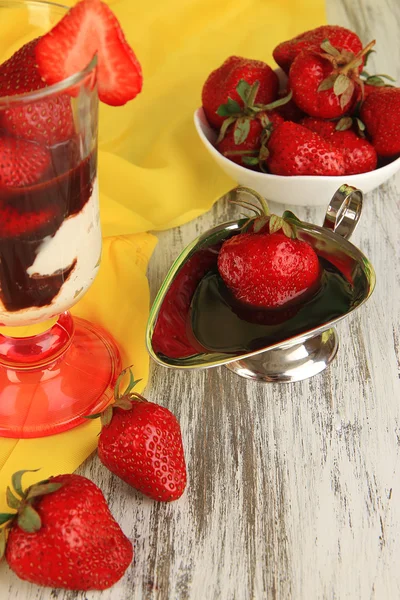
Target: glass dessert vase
x,y
54,369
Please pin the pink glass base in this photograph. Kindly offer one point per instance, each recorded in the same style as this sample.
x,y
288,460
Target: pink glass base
x,y
51,381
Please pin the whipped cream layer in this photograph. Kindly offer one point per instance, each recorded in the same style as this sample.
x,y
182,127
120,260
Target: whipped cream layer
x,y
76,244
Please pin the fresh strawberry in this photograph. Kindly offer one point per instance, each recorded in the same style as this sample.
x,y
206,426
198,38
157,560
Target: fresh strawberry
x,y
267,267
380,114
325,84
221,85
21,163
141,442
63,535
88,28
295,150
339,37
48,120
359,155
246,152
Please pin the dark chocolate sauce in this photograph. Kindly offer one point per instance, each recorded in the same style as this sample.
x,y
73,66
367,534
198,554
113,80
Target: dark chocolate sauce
x,y
199,314
222,324
62,192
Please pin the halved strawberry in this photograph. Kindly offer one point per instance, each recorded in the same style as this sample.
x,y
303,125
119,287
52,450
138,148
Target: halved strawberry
x,y
22,163
47,120
88,28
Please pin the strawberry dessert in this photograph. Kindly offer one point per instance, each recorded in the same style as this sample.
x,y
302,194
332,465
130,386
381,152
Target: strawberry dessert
x,y
50,238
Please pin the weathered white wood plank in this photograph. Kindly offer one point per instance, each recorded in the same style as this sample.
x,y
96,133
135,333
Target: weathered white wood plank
x,y
294,489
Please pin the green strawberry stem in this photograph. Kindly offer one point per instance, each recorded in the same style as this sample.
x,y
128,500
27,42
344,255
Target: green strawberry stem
x,y
287,223
356,60
122,400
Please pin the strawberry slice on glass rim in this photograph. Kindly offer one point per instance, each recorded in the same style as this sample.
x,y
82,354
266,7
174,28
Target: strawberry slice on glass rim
x,y
89,28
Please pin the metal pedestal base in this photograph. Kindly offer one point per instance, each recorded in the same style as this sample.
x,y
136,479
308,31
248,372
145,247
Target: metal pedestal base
x,y
292,363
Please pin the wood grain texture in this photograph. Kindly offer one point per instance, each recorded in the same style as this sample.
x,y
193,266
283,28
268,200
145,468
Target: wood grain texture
x,y
293,489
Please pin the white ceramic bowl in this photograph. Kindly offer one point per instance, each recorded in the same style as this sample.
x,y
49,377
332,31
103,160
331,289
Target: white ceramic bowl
x,y
301,190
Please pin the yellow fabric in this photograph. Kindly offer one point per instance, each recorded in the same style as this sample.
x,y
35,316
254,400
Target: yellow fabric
x,y
153,171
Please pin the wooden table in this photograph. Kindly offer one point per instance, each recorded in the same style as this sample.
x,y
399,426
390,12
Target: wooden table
x,y
293,489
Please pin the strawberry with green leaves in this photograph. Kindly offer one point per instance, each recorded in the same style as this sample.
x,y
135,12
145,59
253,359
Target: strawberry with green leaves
x,y
245,130
339,37
295,150
221,87
141,442
267,267
61,534
326,83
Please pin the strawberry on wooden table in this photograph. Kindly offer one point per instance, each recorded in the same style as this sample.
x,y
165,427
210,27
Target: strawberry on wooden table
x,y
141,442
267,267
49,120
88,28
295,150
339,37
380,114
63,535
221,86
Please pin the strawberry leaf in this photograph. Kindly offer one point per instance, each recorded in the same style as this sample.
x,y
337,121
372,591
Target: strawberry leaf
x,y
4,517
125,403
41,489
252,161
347,94
329,49
327,83
385,77
241,131
224,128
344,123
29,519
360,124
260,223
243,90
288,230
106,416
12,501
288,215
341,84
264,120
16,480
276,103
367,55
229,109
275,223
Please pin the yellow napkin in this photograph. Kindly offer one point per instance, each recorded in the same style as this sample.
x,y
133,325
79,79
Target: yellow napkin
x,y
154,173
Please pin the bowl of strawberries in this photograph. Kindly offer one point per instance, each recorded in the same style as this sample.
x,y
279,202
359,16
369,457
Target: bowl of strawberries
x,y
296,133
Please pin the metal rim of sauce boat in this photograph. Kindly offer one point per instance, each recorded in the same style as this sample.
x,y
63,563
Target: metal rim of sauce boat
x,y
302,355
